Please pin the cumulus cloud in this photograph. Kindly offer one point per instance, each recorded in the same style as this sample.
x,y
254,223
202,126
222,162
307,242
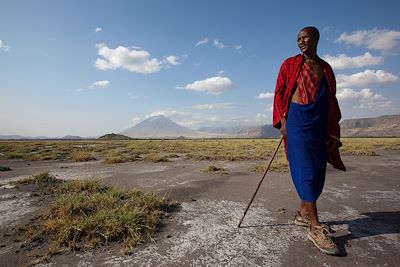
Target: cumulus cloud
x,y
166,112
201,42
345,62
265,95
98,29
365,98
4,47
238,47
172,60
383,40
214,85
130,58
214,106
135,120
365,78
218,44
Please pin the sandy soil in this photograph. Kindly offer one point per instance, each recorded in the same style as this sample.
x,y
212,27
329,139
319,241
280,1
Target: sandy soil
x,y
362,205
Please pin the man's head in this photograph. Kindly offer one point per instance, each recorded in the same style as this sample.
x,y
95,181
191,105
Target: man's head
x,y
307,40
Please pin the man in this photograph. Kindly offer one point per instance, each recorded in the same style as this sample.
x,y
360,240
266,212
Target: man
x,y
307,114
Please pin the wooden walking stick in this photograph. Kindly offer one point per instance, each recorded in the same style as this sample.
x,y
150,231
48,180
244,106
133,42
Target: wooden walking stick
x,y
262,179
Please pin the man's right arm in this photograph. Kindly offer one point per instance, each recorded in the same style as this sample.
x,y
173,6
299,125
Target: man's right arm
x,y
279,120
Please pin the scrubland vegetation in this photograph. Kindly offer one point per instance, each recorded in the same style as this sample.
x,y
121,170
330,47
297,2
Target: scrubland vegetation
x,y
118,151
86,214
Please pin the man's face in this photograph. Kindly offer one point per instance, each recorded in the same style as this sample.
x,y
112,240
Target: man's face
x,y
306,41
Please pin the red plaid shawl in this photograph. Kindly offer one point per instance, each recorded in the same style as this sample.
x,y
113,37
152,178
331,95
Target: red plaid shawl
x,y
307,85
285,86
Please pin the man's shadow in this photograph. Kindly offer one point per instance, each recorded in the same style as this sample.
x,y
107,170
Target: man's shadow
x,y
370,224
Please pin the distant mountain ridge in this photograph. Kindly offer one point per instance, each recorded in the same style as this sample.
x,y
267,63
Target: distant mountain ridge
x,y
113,136
162,127
260,131
382,126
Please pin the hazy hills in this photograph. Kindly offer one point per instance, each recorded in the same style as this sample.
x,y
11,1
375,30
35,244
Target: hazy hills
x,y
162,127
388,125
244,131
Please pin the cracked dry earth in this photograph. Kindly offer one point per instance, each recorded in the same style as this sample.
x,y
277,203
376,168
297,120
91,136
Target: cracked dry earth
x,y
361,205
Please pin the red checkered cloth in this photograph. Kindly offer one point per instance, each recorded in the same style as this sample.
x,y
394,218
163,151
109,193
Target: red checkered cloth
x,y
285,86
307,85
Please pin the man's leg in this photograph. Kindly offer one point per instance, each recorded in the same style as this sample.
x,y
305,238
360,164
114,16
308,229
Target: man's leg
x,y
311,210
318,233
303,210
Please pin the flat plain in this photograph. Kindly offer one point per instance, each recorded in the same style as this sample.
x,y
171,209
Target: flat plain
x,y
213,181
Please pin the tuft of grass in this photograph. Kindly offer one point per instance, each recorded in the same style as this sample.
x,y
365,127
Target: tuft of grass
x,y
39,179
214,169
82,156
156,157
4,168
87,214
280,164
114,158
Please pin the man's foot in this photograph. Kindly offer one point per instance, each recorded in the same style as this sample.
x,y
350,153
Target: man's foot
x,y
321,238
302,220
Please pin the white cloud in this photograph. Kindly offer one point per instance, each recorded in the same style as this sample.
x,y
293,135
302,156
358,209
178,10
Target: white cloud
x,y
218,44
238,47
201,42
271,108
198,120
214,106
365,78
98,29
172,60
345,62
221,72
135,120
101,84
364,98
382,40
130,58
214,85
4,47
166,112
266,95
262,118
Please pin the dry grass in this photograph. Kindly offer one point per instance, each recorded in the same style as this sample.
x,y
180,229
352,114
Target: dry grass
x,y
156,157
215,170
87,214
279,164
368,146
40,179
116,151
79,156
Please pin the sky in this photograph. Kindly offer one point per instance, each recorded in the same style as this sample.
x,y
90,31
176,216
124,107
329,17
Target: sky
x,y
89,68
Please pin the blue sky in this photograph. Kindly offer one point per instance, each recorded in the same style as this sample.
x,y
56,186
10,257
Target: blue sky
x,y
94,67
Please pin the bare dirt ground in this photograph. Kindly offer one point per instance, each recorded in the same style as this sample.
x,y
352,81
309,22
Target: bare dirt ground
x,y
362,205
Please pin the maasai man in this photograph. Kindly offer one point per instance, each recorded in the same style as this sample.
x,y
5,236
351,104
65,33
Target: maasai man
x,y
307,113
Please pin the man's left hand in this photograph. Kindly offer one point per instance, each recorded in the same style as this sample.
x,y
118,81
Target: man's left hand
x,y
332,144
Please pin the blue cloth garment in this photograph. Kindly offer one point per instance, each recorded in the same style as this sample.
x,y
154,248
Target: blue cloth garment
x,y
306,145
